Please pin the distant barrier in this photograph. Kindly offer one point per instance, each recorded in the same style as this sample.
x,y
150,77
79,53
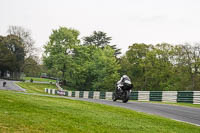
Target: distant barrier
x,y
162,96
81,94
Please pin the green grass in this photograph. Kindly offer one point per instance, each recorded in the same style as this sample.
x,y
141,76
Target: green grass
x,y
28,113
39,79
181,104
175,104
187,104
36,87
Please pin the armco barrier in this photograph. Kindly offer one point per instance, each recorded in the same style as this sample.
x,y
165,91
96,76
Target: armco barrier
x,y
185,96
196,97
77,94
91,94
169,96
109,95
134,95
163,96
86,94
155,96
81,94
143,95
102,95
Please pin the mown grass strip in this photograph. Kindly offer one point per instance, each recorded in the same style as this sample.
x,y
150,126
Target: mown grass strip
x,y
39,79
175,104
36,87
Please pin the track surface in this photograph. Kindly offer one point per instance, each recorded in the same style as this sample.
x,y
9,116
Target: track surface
x,y
10,85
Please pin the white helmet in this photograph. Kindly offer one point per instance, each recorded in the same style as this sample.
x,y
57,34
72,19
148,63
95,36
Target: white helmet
x,y
126,77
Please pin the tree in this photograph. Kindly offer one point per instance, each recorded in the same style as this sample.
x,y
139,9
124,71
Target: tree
x,y
105,69
32,68
6,57
15,45
134,64
150,67
188,62
25,37
84,67
117,50
160,67
98,38
94,68
58,49
15,48
12,54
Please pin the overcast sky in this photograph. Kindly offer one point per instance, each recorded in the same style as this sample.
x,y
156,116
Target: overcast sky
x,y
126,21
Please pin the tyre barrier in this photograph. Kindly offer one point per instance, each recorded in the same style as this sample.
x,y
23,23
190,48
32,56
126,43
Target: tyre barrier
x,y
162,96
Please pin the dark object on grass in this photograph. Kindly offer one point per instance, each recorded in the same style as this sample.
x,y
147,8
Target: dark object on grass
x,y
31,80
4,83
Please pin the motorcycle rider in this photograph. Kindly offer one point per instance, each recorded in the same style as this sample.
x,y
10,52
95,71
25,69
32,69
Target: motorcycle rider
x,y
124,83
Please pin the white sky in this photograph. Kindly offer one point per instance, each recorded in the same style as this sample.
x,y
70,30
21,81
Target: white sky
x,y
126,21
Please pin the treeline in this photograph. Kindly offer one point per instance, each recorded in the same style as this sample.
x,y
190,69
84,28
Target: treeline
x,y
11,55
17,54
163,66
89,66
93,64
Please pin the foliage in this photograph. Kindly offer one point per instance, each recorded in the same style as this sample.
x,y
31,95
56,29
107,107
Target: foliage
x,y
94,68
84,67
16,53
25,37
32,67
94,65
59,47
163,66
100,39
11,53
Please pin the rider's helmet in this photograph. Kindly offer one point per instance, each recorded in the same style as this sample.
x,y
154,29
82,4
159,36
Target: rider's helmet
x,y
125,77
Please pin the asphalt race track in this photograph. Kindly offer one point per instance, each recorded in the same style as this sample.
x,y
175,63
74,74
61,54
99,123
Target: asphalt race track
x,y
10,85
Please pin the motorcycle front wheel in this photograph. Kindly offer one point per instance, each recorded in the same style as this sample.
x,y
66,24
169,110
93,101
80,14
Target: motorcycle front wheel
x,y
125,97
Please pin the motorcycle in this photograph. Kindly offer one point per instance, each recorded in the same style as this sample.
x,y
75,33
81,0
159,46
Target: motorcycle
x,y
122,93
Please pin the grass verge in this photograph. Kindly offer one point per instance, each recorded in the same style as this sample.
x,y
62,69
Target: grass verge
x,y
182,104
175,104
27,113
36,87
40,79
